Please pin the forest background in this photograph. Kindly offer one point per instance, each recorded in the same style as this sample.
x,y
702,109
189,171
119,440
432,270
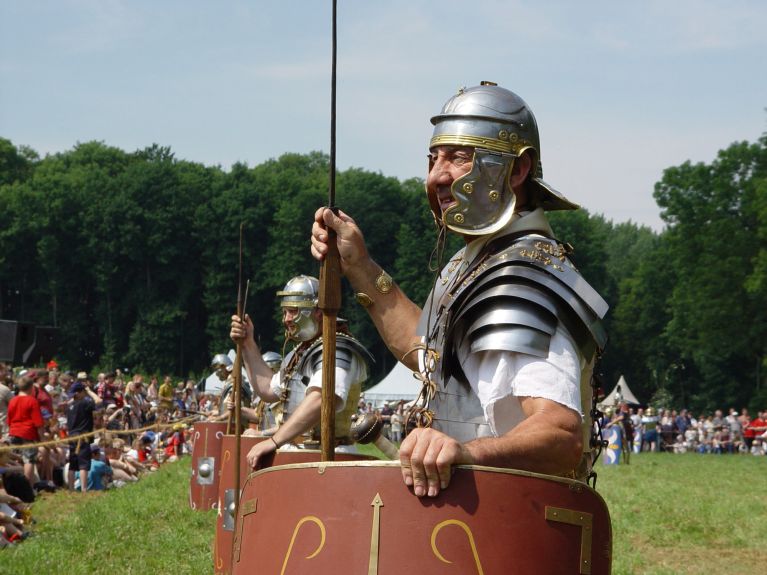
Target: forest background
x,y
133,256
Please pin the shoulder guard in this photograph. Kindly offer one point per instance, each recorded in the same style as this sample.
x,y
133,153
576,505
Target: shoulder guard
x,y
346,346
514,300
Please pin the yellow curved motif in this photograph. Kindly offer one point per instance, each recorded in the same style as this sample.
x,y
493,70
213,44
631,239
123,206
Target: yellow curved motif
x,y
467,530
303,520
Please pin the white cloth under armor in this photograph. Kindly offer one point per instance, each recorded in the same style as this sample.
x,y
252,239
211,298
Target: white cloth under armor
x,y
500,378
345,379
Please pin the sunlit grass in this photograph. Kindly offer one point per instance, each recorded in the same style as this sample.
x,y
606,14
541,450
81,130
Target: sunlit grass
x,y
671,514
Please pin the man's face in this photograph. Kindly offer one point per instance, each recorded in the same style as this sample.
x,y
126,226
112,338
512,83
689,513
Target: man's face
x,y
446,164
221,372
289,316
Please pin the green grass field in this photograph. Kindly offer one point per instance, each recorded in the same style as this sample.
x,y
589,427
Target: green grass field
x,y
671,514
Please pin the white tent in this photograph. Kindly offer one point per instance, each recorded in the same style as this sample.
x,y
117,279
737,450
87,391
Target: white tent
x,y
398,384
214,386
620,394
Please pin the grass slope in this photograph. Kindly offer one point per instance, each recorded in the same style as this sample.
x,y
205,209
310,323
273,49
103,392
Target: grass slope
x,y
671,514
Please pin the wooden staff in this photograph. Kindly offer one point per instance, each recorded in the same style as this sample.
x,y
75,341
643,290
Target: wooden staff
x,y
330,288
237,389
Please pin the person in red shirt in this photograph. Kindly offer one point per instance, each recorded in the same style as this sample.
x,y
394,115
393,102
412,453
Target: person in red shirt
x,y
25,423
756,428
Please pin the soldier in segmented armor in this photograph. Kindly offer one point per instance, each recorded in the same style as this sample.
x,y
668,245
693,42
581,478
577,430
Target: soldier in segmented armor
x,y
298,383
506,342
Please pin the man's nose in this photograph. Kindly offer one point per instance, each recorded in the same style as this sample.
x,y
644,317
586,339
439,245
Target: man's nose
x,y
440,173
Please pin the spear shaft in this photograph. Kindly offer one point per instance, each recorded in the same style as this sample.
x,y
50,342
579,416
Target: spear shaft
x,y
330,287
237,389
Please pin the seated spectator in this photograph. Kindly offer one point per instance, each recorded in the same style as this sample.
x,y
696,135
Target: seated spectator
x,y
100,473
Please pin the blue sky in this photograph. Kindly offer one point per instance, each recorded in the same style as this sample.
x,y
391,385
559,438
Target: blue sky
x,y
621,90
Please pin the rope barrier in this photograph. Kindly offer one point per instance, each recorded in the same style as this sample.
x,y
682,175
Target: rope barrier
x,y
154,427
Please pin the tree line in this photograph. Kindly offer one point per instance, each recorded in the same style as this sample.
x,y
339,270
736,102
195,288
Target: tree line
x,y
133,256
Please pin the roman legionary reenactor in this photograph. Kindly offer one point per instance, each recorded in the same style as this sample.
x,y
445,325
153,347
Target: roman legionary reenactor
x,y
298,383
506,342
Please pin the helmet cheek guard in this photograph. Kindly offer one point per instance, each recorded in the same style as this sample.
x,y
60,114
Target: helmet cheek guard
x,y
306,326
484,198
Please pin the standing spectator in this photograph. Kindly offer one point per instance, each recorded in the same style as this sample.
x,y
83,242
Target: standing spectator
x,y
165,393
40,379
636,421
682,421
650,424
80,422
152,392
5,397
25,423
748,433
736,430
386,413
134,402
397,422
106,388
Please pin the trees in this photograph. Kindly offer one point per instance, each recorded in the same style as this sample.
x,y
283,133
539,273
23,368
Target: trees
x,y
134,256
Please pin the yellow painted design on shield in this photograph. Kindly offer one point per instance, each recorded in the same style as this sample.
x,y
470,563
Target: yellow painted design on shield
x,y
469,534
303,520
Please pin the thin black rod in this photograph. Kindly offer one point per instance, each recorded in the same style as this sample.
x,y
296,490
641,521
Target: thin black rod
x,y
332,183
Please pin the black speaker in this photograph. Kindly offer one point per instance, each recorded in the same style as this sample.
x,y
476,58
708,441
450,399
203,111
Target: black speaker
x,y
17,339
44,346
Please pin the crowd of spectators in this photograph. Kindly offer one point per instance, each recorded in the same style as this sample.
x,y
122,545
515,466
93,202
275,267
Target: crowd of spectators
x,y
394,415
61,430
673,431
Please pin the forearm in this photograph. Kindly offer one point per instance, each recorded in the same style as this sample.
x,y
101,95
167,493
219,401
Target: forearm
x,y
259,374
306,416
536,445
96,399
394,314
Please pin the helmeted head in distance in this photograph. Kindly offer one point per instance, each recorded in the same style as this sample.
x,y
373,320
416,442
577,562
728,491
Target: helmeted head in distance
x,y
300,316
493,128
273,360
222,365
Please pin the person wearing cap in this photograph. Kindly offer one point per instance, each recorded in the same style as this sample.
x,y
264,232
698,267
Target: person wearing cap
x,y
79,422
506,341
298,383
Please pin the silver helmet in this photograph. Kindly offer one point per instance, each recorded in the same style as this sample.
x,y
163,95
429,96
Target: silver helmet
x,y
302,292
222,364
500,127
220,360
273,360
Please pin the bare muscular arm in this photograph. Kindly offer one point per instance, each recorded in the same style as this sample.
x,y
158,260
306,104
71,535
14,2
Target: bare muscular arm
x,y
394,314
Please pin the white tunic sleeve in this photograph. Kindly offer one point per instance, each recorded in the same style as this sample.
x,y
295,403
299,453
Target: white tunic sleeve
x,y
500,378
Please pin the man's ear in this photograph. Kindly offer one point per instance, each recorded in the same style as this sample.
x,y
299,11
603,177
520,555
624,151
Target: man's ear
x,y
521,169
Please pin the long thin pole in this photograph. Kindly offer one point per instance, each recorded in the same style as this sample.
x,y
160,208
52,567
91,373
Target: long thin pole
x,y
237,384
330,287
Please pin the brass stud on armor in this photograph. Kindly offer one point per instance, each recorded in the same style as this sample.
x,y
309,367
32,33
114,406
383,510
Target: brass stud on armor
x,y
494,195
468,188
458,218
503,135
514,137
